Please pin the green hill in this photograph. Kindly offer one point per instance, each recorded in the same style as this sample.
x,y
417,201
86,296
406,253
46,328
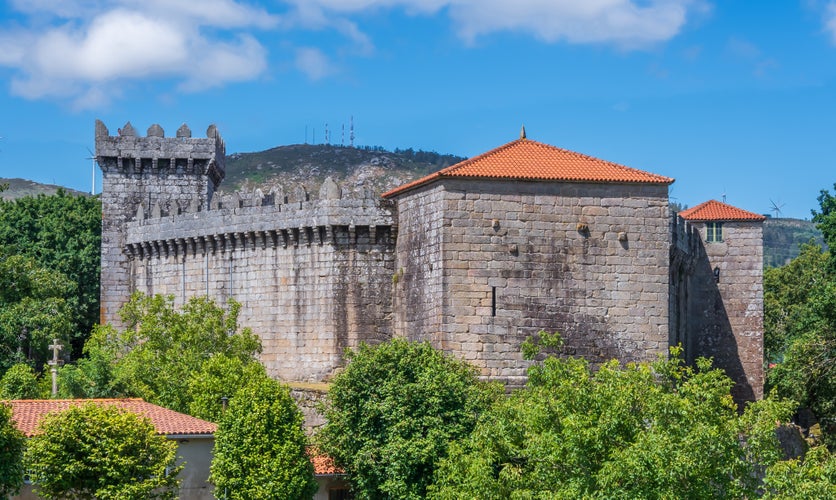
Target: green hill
x,y
18,188
782,239
309,165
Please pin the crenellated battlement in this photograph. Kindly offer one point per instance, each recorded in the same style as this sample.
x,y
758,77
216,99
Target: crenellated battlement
x,y
158,155
253,220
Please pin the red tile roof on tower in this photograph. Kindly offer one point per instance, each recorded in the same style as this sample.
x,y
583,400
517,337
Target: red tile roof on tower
x,y
27,414
713,210
525,159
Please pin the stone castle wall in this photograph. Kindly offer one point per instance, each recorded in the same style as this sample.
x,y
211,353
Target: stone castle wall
x,y
419,289
313,277
587,260
150,170
726,308
473,266
717,300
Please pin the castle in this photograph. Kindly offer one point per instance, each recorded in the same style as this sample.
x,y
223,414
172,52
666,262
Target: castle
x,y
473,258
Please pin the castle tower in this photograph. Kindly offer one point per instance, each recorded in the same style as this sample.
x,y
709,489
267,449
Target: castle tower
x,y
724,297
530,237
156,174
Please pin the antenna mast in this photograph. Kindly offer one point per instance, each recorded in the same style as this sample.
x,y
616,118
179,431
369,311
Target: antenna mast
x,y
342,137
93,185
351,136
327,137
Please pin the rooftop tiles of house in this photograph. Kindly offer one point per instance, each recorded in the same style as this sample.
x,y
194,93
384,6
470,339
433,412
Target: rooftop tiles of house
x,y
525,159
713,210
27,414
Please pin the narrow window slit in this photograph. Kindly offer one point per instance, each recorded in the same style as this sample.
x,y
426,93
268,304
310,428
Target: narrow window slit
x,y
493,301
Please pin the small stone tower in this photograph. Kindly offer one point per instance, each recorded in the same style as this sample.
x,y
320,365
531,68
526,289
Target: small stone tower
x,y
724,311
167,176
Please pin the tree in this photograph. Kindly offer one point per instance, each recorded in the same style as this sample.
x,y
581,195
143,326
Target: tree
x,y
101,451
787,292
825,220
12,443
161,348
393,412
35,307
220,376
260,448
61,233
807,372
800,324
20,382
660,430
812,477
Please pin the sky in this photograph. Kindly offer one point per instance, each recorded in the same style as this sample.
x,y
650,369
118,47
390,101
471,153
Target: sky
x,y
734,99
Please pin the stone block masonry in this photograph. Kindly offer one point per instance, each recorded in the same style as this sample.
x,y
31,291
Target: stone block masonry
x,y
312,279
472,264
498,261
313,276
144,171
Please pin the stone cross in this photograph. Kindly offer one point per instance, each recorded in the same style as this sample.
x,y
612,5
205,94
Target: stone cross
x,y
53,363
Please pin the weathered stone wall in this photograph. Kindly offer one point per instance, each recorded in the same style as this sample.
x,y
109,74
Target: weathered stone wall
x,y
725,315
313,278
686,251
474,266
178,173
419,291
587,260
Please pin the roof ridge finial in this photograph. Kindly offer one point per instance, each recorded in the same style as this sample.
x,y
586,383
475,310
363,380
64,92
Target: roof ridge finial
x,y
522,132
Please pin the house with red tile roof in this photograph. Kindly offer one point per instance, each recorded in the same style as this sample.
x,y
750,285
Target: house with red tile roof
x,y
718,291
332,480
195,437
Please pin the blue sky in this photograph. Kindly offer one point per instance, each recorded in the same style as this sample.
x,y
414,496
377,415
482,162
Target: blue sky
x,y
732,97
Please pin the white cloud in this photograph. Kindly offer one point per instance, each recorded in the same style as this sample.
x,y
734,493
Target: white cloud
x,y
313,63
624,23
94,48
621,22
830,20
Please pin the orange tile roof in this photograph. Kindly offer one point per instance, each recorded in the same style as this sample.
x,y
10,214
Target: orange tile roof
x,y
323,464
525,159
27,413
713,210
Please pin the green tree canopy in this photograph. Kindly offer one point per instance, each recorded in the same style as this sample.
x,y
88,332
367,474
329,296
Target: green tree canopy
x,y
36,306
62,233
800,324
393,412
787,292
825,219
260,446
20,382
12,443
160,349
103,452
660,430
812,477
220,376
